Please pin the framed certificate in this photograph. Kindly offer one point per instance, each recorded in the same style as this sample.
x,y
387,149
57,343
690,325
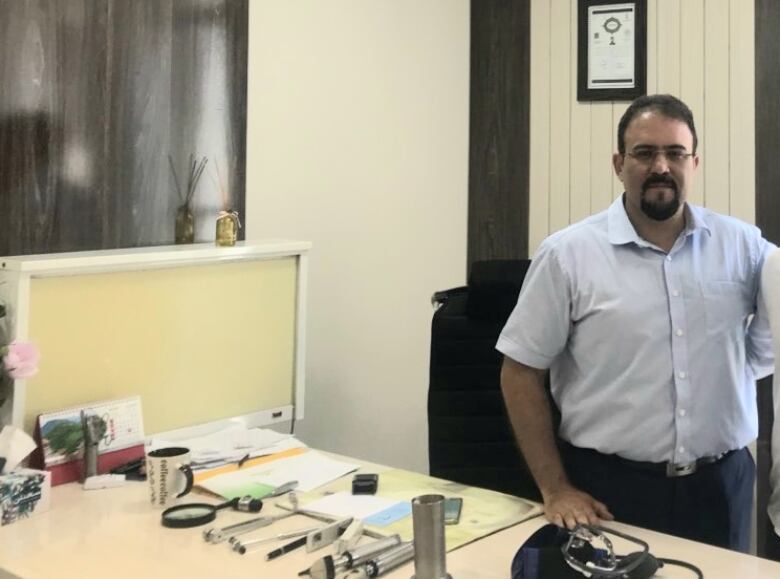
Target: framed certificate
x,y
611,49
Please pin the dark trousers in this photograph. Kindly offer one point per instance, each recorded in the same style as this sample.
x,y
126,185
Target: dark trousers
x,y
772,543
712,505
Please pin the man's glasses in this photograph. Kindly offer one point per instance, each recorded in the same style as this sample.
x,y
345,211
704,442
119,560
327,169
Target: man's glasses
x,y
673,156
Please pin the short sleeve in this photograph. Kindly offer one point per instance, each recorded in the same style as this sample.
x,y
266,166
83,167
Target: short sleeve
x,y
538,328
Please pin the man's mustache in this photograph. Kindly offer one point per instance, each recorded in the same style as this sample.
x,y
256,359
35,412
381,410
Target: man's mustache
x,y
663,180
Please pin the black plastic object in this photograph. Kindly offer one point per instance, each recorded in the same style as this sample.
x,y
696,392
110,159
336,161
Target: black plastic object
x,y
365,484
470,440
646,568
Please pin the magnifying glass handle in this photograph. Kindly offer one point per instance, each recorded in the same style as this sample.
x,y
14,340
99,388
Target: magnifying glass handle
x,y
226,504
248,505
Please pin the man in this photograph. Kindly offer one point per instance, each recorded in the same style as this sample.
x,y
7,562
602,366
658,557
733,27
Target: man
x,y
648,317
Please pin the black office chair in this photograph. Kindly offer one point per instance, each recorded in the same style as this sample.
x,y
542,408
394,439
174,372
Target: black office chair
x,y
469,436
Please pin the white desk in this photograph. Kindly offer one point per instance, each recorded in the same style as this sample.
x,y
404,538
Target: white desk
x,y
115,533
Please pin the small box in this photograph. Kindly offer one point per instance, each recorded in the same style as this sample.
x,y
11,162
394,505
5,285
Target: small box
x,y
365,484
24,492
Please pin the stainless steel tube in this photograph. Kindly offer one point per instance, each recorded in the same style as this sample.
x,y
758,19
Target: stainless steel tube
x,y
430,550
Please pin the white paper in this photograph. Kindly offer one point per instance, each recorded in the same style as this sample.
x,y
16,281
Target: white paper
x,y
311,469
232,444
611,32
15,445
349,505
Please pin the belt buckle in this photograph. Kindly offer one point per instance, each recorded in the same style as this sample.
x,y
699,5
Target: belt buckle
x,y
680,468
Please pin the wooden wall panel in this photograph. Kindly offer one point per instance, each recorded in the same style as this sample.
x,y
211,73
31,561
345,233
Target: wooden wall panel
x,y
668,46
94,97
692,77
539,134
600,152
715,167
560,125
580,168
767,175
140,200
742,151
498,148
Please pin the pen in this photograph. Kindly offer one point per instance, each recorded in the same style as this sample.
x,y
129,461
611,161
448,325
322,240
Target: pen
x,y
286,548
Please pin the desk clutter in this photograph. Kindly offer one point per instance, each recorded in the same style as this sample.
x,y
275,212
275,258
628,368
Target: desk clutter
x,y
115,425
370,520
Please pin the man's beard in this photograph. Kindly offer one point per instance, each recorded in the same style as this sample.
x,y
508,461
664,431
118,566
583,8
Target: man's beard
x,y
663,210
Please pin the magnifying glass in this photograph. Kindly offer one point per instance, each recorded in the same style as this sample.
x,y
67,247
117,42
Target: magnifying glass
x,y
195,514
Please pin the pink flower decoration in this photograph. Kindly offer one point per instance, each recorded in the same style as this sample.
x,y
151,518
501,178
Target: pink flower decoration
x,y
21,360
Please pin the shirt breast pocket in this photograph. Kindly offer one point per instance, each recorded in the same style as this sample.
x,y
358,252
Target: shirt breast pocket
x,y
726,306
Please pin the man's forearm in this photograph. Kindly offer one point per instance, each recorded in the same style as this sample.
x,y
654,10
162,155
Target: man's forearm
x,y
529,413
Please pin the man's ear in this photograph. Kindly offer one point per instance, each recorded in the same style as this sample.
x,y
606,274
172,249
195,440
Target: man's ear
x,y
617,164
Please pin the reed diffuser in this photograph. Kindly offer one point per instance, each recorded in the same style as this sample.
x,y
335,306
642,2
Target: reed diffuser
x,y
185,220
227,219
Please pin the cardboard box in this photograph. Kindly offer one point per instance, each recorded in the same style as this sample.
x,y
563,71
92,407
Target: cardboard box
x,y
24,492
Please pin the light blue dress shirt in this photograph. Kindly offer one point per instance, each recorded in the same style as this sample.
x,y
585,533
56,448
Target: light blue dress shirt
x,y
652,356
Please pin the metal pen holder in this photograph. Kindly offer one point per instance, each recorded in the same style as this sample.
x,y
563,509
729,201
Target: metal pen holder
x,y
430,552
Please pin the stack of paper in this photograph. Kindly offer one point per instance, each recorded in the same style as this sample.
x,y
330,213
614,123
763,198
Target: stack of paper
x,y
232,444
311,469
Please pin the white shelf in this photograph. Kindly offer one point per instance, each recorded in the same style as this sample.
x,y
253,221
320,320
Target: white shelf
x,y
149,257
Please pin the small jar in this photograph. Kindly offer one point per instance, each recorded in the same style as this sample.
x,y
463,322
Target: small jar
x,y
227,228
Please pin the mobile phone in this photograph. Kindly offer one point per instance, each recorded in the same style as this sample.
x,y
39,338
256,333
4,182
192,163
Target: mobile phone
x,y
452,508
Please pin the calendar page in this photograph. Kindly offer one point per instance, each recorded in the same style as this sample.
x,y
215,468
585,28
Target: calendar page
x,y
62,437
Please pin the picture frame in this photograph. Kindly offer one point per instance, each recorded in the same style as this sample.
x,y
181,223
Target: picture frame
x,y
611,49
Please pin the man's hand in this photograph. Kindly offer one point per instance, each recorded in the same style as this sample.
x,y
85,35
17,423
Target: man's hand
x,y
569,507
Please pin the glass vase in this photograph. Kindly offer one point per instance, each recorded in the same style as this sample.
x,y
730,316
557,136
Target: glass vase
x,y
185,225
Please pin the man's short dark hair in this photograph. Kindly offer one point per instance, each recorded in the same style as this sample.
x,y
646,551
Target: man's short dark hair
x,y
664,104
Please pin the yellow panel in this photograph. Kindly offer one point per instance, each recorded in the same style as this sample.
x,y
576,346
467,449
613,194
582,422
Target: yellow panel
x,y
198,343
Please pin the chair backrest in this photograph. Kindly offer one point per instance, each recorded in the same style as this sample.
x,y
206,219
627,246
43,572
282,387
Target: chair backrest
x,y
469,436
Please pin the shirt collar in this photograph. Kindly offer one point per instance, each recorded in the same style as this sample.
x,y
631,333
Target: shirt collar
x,y
621,231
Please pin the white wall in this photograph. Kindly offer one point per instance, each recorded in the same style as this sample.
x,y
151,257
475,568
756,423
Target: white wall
x,y
699,50
358,142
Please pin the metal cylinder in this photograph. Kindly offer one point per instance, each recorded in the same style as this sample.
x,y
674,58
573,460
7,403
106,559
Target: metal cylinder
x,y
429,544
363,553
389,560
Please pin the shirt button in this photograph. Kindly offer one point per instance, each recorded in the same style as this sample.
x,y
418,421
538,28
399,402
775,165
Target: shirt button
x,y
679,332
682,412
681,449
668,258
682,375
675,293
